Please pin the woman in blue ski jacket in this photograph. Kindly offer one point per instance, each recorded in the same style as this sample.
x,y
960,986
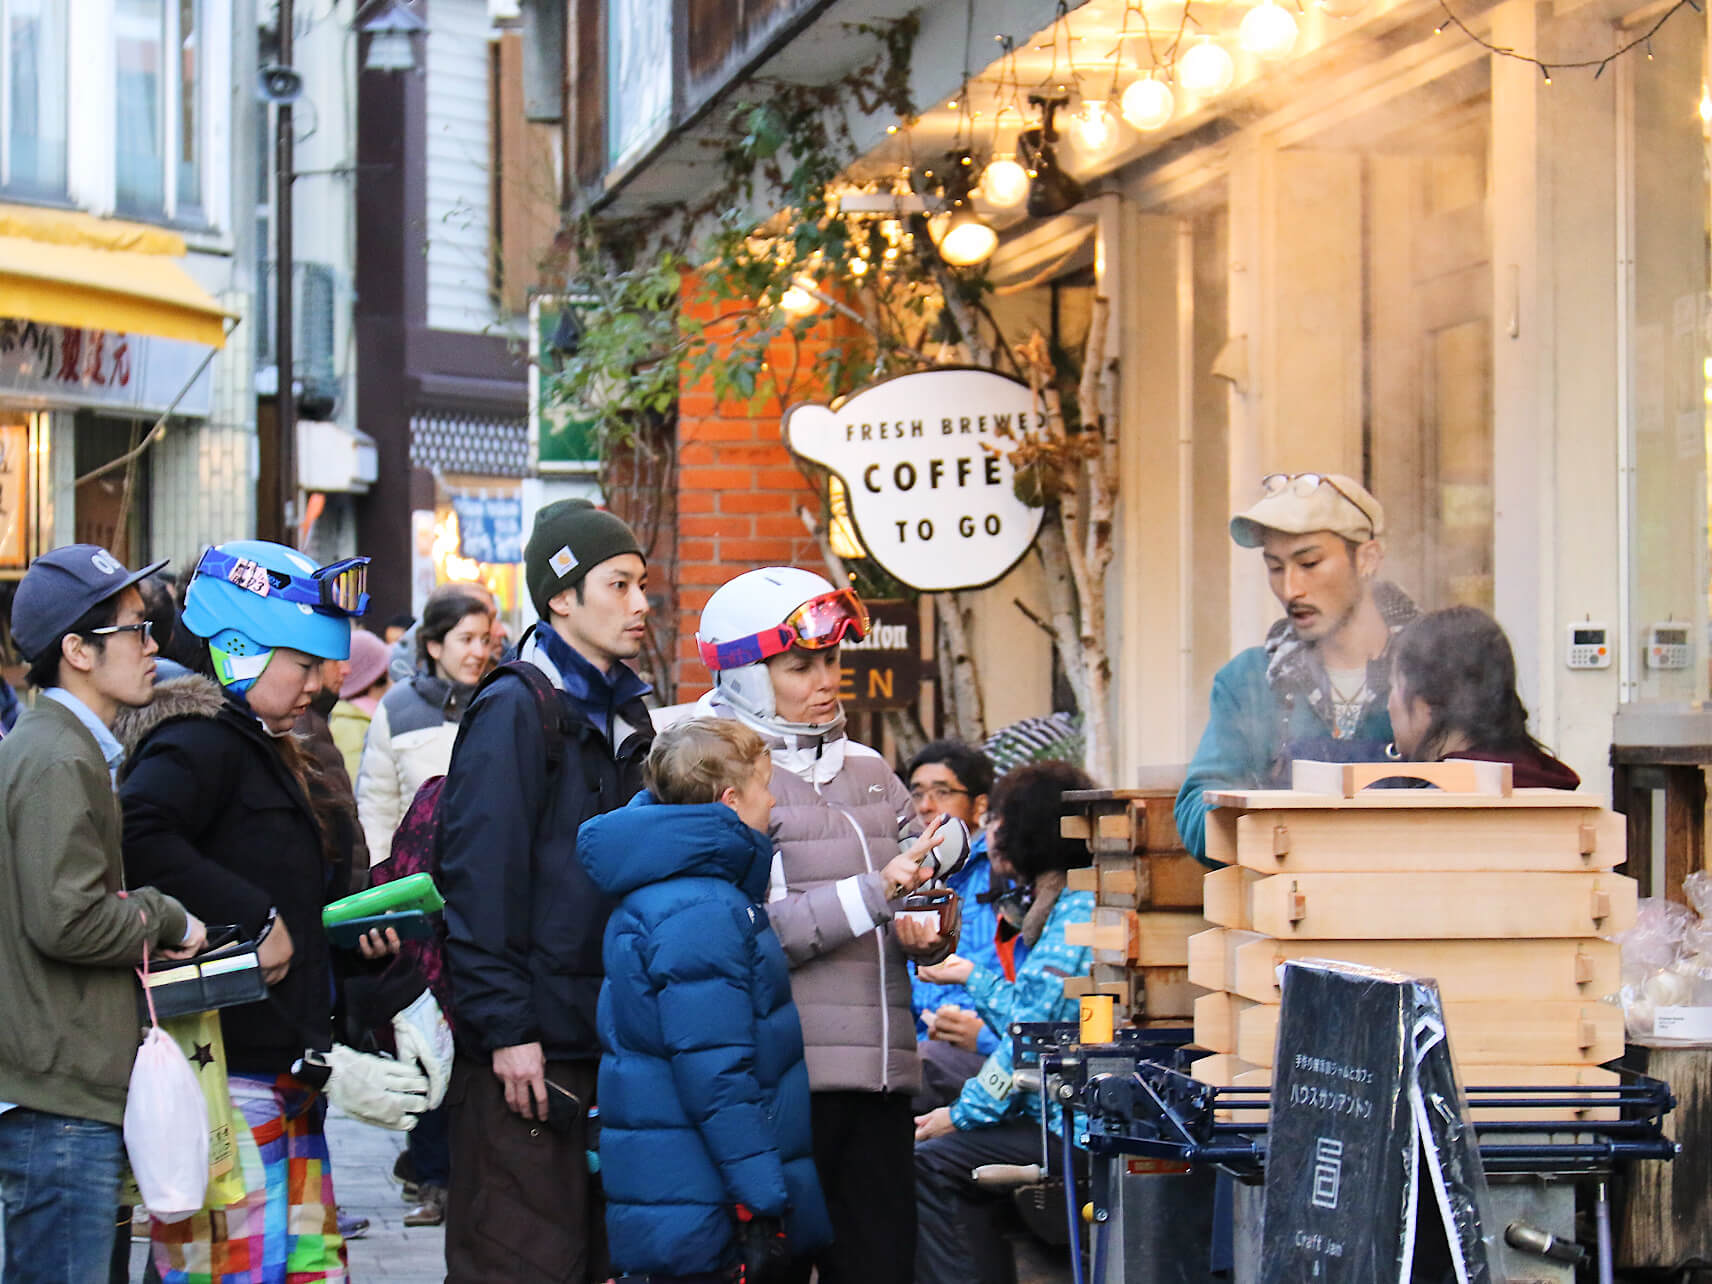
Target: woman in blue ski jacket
x,y
705,1149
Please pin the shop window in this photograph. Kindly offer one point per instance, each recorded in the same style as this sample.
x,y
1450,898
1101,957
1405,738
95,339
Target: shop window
x,y
32,102
639,89
1385,369
1668,313
160,82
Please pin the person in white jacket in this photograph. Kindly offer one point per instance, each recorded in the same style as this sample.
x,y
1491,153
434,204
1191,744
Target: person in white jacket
x,y
410,739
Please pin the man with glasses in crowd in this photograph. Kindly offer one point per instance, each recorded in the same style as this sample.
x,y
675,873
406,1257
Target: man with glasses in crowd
x,y
953,779
1317,687
70,934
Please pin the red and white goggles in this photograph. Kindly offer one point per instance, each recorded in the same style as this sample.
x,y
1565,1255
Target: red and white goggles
x,y
819,623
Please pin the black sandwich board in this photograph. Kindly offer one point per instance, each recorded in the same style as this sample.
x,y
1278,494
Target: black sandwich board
x,y
1373,1172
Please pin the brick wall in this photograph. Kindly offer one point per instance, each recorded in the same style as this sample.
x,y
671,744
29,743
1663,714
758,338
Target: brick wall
x,y
738,488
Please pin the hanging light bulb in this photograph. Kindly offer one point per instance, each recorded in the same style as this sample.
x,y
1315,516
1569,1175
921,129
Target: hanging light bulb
x,y
1148,104
1706,105
1004,182
1268,31
798,299
966,240
1206,68
1093,128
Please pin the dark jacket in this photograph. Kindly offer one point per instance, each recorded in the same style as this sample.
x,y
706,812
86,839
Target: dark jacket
x,y
1531,768
523,921
1271,705
214,817
68,941
704,1099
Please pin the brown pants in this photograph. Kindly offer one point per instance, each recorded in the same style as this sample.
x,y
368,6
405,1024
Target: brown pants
x,y
522,1206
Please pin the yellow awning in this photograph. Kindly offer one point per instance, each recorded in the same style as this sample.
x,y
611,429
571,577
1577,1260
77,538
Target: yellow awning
x,y
62,267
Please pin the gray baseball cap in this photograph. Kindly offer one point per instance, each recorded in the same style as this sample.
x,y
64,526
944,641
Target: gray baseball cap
x,y
60,586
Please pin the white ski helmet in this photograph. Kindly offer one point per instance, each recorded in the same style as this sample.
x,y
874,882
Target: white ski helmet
x,y
762,614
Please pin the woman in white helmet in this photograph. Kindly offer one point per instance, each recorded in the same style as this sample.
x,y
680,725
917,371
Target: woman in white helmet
x,y
771,638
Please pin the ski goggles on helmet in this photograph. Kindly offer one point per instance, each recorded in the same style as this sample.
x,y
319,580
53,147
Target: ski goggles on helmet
x,y
819,623
339,588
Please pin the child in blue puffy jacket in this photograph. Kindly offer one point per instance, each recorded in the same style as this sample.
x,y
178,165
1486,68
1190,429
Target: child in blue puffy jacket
x,y
704,1100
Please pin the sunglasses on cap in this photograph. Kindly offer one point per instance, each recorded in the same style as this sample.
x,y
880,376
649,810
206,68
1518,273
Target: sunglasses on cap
x,y
816,625
339,587
1305,484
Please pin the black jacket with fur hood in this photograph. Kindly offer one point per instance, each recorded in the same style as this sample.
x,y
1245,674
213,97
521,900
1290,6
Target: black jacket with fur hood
x,y
215,816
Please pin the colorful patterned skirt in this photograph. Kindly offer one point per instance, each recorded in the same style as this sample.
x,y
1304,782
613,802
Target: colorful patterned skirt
x,y
285,1230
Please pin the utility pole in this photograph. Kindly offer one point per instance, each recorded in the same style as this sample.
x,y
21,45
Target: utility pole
x,y
285,413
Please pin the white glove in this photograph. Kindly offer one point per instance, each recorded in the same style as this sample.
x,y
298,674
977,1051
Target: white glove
x,y
422,1035
375,1089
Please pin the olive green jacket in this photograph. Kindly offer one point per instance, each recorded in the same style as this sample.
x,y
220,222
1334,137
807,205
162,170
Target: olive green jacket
x,y
69,937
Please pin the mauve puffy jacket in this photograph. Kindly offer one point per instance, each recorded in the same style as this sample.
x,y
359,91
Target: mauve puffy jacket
x,y
849,979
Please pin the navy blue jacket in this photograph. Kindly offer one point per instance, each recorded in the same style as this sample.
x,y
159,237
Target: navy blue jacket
x,y
523,922
704,1100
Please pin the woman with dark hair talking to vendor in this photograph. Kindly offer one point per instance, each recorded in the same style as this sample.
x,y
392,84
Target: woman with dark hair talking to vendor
x,y
1453,695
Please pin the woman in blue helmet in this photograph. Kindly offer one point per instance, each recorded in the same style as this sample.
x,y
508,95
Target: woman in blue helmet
x,y
222,804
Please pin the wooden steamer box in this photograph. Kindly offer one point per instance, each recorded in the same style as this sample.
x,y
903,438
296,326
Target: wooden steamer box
x,y
1500,895
1147,893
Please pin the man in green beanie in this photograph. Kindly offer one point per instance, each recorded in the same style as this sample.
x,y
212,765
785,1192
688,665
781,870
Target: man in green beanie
x,y
524,923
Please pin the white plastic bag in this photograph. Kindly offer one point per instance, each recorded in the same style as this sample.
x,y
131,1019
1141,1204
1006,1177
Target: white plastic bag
x,y
166,1129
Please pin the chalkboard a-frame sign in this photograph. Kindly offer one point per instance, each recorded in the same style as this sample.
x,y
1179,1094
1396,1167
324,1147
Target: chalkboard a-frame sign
x,y
1373,1174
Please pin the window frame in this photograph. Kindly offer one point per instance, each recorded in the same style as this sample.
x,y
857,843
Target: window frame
x,y
173,208
11,188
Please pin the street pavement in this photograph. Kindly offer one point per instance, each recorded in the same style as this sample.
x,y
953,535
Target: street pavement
x,y
362,1178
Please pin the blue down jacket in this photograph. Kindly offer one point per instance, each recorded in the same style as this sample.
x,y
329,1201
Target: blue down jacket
x,y
704,1100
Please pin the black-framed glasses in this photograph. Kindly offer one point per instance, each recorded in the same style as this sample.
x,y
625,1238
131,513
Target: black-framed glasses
x,y
939,793
1305,484
144,627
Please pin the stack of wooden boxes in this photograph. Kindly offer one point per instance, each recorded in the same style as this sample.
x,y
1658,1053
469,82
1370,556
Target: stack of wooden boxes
x,y
1148,903
1500,896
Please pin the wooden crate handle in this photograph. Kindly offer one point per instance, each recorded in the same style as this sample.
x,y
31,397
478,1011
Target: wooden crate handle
x,y
1085,879
1079,933
1074,827
1601,904
1280,840
1588,1036
1118,882
1589,838
1298,905
1583,967
1454,775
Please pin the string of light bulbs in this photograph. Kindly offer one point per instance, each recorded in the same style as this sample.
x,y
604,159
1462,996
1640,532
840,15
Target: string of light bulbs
x,y
1190,62
1547,67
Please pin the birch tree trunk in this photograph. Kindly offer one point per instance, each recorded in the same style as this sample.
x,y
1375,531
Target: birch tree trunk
x,y
1075,542
963,704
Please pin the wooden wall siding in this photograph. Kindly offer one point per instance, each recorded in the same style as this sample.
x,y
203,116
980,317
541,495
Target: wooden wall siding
x,y
722,36
525,181
459,230
588,93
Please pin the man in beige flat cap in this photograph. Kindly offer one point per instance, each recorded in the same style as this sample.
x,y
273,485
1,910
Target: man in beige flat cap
x,y
1317,688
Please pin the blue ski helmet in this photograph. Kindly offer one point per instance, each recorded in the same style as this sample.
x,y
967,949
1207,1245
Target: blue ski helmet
x,y
249,596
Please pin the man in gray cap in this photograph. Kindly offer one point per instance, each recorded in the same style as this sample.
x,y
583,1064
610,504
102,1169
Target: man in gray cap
x,y
69,933
523,921
1317,687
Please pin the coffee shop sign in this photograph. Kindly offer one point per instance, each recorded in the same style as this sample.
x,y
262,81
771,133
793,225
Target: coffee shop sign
x,y
926,462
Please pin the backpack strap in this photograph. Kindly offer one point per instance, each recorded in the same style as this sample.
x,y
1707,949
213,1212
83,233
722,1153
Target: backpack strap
x,y
548,707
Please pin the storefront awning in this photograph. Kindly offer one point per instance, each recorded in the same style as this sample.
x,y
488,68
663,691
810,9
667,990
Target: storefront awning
x,y
66,268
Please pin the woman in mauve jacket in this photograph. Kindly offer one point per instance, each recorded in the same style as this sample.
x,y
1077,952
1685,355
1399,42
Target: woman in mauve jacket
x,y
771,639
